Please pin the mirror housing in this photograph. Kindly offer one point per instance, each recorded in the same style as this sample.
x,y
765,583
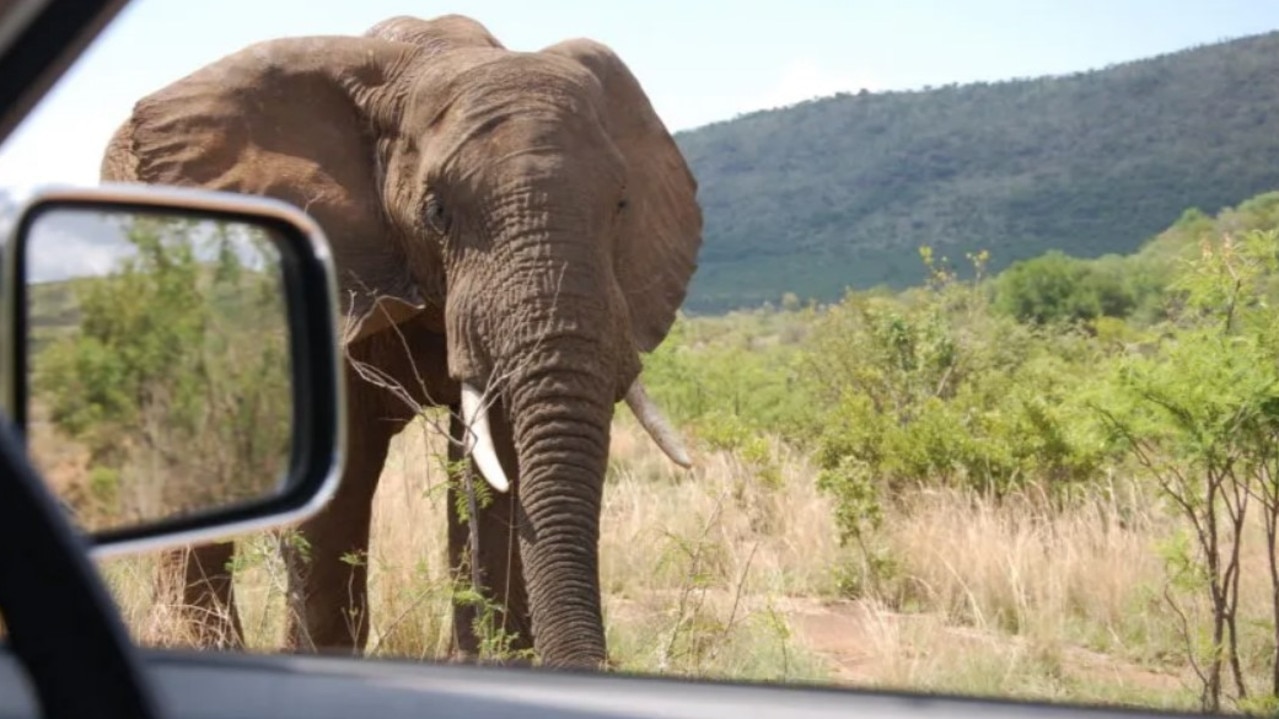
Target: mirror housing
x,y
304,284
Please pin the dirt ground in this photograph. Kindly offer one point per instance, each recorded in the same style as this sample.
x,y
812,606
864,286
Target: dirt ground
x,y
847,634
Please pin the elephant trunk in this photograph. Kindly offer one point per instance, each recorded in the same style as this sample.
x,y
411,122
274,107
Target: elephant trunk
x,y
552,341
560,370
561,417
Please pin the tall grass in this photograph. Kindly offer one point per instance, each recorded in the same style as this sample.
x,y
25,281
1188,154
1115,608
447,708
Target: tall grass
x,y
733,572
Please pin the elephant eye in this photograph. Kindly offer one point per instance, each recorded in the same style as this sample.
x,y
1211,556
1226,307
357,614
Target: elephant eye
x,y
621,204
436,217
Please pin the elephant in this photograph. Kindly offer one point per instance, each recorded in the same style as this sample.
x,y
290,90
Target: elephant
x,y
512,231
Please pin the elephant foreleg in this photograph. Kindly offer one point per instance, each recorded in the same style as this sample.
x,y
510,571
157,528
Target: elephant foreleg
x,y
196,583
502,624
328,556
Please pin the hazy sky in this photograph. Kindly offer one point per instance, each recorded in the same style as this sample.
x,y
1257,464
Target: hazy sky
x,y
700,61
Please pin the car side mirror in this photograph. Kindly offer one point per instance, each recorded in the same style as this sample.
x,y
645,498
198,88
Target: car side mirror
x,y
173,360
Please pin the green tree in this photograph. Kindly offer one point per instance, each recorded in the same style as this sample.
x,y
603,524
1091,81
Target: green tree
x,y
1056,288
1201,418
934,389
175,377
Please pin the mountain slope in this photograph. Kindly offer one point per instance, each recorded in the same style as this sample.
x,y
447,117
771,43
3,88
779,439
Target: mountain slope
x,y
843,191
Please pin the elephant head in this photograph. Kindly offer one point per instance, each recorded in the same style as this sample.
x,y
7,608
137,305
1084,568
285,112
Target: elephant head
x,y
531,206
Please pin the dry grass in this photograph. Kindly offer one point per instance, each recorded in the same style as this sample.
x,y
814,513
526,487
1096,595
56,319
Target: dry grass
x,y
1020,569
685,556
725,572
693,563
1012,599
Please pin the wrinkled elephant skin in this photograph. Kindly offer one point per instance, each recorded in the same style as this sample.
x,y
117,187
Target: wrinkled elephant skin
x,y
512,231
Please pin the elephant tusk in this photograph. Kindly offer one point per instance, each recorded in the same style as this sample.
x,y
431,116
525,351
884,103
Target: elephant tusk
x,y
656,424
479,438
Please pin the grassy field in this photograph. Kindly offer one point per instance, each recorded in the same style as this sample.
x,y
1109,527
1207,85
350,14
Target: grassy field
x,y
1056,484
713,573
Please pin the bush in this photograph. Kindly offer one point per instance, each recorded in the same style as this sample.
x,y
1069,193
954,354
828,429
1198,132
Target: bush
x,y
1056,288
174,376
740,371
936,390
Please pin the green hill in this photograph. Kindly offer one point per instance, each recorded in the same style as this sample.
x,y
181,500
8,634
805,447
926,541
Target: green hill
x,y
842,191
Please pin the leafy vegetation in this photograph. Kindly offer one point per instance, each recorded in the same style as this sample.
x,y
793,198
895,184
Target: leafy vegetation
x,y
1201,418
171,372
840,192
1038,387
1052,482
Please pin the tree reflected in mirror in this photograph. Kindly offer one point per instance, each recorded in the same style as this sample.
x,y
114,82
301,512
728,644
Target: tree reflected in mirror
x,y
158,365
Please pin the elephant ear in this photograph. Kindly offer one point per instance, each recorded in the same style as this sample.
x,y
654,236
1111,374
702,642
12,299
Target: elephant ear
x,y
282,119
662,231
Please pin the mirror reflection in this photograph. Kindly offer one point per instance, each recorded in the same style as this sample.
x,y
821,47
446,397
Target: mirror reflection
x,y
158,364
